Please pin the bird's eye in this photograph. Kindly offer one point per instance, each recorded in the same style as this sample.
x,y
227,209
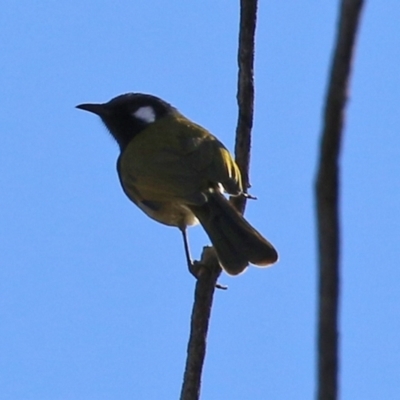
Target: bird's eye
x,y
145,114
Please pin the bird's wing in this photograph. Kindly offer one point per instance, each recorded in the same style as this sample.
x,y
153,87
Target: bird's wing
x,y
179,163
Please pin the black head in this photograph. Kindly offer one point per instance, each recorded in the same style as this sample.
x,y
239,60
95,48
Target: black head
x,y
127,115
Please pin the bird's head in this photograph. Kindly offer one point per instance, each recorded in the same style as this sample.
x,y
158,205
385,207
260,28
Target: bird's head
x,y
127,115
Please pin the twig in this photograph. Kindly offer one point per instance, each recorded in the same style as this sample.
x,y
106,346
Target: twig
x,y
327,197
203,298
207,280
245,94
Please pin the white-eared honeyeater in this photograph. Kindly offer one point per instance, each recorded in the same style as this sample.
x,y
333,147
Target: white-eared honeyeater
x,y
176,172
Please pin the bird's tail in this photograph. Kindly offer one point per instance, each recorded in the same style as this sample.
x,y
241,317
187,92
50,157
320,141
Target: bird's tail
x,y
236,242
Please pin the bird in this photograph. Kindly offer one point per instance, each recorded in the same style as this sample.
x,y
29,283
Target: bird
x,y
179,174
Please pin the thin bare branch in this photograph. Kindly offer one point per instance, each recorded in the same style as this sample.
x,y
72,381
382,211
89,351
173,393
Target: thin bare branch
x,y
207,281
327,198
196,350
245,94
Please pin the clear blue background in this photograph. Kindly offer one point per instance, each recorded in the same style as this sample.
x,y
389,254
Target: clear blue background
x,y
95,298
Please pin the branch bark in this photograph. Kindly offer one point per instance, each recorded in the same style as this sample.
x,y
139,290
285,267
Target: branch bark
x,y
327,199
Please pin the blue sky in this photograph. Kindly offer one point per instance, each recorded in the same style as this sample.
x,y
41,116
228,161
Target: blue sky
x,y
95,298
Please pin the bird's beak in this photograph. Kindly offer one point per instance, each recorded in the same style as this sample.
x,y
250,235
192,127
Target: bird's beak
x,y
98,109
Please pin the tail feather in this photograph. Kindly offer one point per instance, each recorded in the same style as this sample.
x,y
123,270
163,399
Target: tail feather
x,y
236,242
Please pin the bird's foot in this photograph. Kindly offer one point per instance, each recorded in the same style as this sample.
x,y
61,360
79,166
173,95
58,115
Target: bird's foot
x,y
209,263
249,196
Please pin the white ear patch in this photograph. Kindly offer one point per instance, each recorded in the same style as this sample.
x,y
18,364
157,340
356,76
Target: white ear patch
x,y
146,114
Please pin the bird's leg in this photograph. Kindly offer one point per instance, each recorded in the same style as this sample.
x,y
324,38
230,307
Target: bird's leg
x,y
192,267
189,260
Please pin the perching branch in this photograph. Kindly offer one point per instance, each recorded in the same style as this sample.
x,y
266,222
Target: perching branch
x,y
245,94
327,198
203,298
210,270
